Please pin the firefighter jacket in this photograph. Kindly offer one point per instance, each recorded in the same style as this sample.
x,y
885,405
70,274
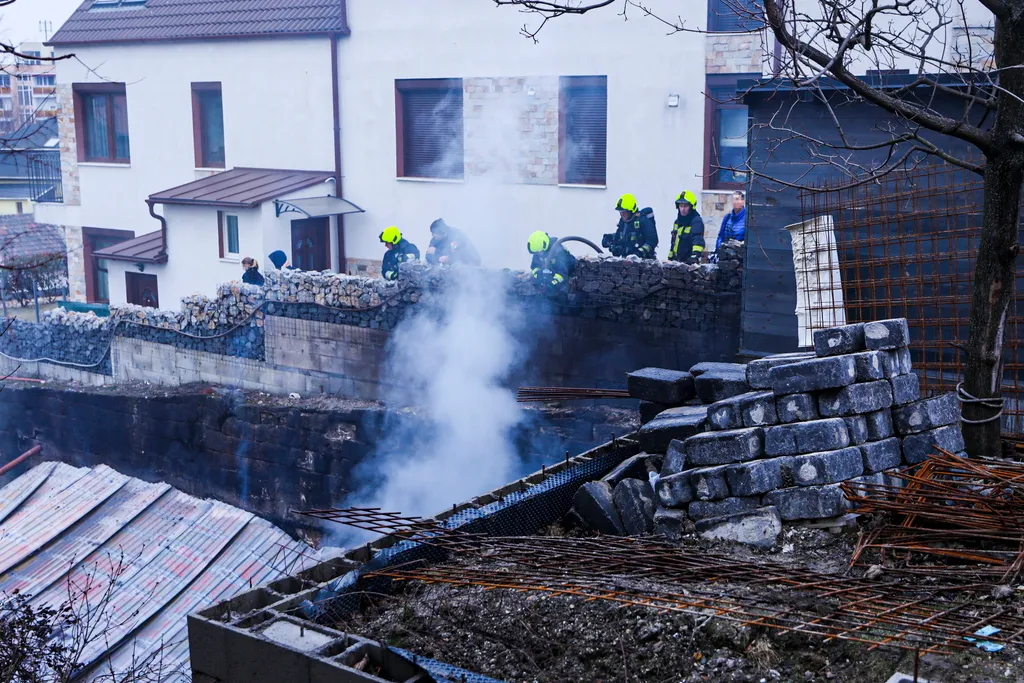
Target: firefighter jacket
x,y
403,252
556,260
687,238
637,236
456,246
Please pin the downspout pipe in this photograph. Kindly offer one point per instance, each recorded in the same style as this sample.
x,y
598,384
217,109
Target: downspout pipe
x,y
162,256
339,247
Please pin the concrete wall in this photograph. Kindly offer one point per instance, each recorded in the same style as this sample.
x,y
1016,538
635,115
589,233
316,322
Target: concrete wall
x,y
277,114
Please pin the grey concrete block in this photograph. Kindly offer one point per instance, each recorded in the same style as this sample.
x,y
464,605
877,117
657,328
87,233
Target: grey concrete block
x,y
594,505
759,528
904,361
796,408
716,385
917,447
709,483
675,423
816,469
717,508
660,385
672,524
757,370
876,365
858,428
816,374
650,410
886,334
881,455
707,366
752,409
675,458
634,499
674,491
837,341
856,399
807,437
927,414
722,448
808,502
634,467
879,425
756,477
905,389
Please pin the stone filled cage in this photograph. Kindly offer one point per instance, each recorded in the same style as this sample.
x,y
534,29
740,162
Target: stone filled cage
x,y
904,246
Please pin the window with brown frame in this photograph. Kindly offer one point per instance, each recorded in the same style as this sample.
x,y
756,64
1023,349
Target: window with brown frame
x,y
227,235
428,117
726,133
208,125
583,130
734,16
101,122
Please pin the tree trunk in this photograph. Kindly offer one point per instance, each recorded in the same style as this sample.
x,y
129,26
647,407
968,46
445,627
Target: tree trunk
x,y
995,270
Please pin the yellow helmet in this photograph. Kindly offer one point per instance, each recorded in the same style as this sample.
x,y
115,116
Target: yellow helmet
x,y
538,242
391,236
627,202
688,197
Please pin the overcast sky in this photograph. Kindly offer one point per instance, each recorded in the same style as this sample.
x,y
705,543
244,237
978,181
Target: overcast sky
x,y
20,22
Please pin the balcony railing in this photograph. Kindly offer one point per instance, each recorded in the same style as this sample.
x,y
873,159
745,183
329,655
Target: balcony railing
x,y
45,179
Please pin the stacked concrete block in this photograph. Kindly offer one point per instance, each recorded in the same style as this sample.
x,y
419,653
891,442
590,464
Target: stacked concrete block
x,y
805,424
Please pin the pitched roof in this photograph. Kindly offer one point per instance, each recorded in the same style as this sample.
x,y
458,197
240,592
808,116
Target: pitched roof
x,y
241,187
22,238
148,248
61,527
157,20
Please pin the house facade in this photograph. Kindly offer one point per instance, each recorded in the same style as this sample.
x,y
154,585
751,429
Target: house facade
x,y
415,110
27,87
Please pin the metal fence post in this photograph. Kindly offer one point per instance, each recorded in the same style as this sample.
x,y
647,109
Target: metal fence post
x,y
35,295
3,297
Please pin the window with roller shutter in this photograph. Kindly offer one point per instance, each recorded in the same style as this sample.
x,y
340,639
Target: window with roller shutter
x,y
428,116
583,130
734,16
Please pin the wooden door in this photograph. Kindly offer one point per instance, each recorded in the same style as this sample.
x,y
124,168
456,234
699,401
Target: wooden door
x,y
311,244
142,290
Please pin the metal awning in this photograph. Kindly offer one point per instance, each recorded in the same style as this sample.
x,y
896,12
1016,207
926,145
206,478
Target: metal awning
x,y
317,207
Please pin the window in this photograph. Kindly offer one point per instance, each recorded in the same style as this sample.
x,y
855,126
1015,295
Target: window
x,y
583,130
20,207
726,133
102,123
428,117
31,57
228,229
734,16
46,81
5,81
208,125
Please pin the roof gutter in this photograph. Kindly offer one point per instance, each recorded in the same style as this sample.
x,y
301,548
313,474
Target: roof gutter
x,y
162,256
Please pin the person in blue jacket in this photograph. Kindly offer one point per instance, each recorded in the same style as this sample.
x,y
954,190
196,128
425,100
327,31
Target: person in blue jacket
x,y
734,225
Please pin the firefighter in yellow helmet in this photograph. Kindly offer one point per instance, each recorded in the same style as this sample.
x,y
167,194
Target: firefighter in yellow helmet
x,y
399,250
552,264
687,231
636,234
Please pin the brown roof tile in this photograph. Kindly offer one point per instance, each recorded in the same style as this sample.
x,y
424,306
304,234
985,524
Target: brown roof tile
x,y
200,19
22,239
241,187
147,248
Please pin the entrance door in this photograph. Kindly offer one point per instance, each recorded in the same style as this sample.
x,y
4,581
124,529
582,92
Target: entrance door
x,y
311,244
142,290
97,284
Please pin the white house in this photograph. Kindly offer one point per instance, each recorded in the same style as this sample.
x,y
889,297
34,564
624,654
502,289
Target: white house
x,y
409,109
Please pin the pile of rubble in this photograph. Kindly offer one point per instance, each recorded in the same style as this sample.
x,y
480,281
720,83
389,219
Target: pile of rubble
x,y
733,451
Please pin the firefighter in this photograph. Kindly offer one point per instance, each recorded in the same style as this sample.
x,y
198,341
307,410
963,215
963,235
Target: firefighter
x,y
399,250
450,245
552,264
636,234
688,231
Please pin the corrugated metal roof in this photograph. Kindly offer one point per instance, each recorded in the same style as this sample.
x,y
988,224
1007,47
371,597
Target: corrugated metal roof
x,y
160,20
244,188
148,248
21,239
69,529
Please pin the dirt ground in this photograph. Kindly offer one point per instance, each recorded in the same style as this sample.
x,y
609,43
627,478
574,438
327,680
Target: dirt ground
x,y
531,637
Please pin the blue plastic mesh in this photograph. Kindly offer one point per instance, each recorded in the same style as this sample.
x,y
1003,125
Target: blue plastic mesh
x,y
445,673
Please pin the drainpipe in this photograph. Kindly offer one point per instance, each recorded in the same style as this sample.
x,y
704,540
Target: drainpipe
x,y
162,256
336,102
35,450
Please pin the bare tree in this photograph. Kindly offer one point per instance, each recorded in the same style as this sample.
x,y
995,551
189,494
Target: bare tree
x,y
952,54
